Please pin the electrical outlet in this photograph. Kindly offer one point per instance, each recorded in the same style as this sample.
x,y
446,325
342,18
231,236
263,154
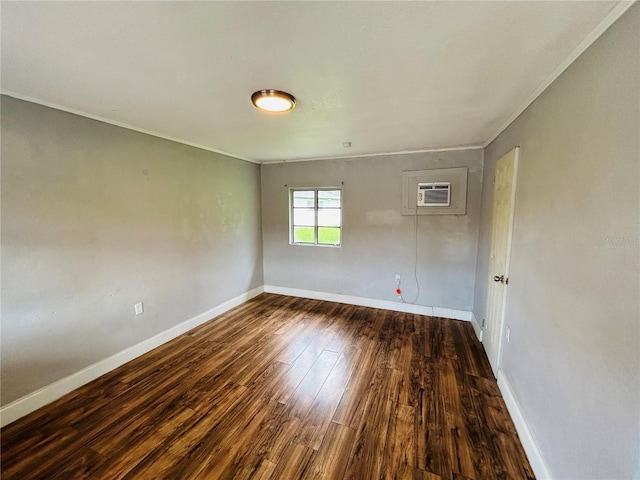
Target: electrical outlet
x,y
508,334
138,309
397,279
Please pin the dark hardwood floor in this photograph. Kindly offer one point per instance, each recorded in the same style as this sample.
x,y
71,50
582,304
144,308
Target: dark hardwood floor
x,y
289,388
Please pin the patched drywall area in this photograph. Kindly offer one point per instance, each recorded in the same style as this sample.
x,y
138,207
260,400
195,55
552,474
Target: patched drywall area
x,y
573,361
378,242
95,219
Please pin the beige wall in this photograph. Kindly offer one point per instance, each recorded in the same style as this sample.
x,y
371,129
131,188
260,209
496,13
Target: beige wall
x,y
378,242
573,298
96,218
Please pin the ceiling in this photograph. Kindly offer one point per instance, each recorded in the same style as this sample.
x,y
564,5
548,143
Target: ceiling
x,y
386,76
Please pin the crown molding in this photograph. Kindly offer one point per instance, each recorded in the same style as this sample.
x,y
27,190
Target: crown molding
x,y
368,155
602,27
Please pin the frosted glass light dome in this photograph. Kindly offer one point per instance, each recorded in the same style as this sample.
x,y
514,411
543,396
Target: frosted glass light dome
x,y
273,100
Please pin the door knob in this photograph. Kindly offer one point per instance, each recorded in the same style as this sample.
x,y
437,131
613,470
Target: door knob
x,y
499,278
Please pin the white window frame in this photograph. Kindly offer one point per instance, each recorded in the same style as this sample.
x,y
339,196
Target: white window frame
x,y
315,210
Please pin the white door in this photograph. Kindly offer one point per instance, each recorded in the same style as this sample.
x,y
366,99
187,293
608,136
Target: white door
x,y
501,227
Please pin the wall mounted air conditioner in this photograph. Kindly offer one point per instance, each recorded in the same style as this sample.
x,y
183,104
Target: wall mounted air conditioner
x,y
435,194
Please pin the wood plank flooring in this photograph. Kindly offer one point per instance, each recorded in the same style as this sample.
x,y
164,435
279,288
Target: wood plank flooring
x,y
283,388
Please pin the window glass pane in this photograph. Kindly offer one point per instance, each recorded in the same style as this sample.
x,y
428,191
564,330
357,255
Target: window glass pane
x,y
303,234
316,217
329,217
304,217
329,198
303,198
329,236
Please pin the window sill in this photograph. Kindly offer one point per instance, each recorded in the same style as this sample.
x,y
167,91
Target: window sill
x,y
314,245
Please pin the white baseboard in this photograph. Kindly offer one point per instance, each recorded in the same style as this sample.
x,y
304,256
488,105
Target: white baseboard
x,y
35,400
371,302
29,403
476,326
529,444
451,313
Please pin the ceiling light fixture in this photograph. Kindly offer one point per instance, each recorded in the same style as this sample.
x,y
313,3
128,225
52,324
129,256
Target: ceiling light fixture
x,y
273,100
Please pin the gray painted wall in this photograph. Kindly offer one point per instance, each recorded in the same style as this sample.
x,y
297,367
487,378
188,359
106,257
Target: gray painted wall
x,y
573,299
96,218
378,242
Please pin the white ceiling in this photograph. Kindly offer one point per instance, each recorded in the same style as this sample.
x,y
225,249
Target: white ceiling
x,y
386,76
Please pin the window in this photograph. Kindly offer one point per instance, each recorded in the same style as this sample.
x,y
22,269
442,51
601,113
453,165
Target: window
x,y
316,216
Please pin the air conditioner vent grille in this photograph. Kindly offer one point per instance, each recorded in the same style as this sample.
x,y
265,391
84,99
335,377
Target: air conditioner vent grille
x,y
436,194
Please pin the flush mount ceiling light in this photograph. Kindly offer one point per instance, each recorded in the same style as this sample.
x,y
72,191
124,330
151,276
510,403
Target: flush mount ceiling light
x,y
273,100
